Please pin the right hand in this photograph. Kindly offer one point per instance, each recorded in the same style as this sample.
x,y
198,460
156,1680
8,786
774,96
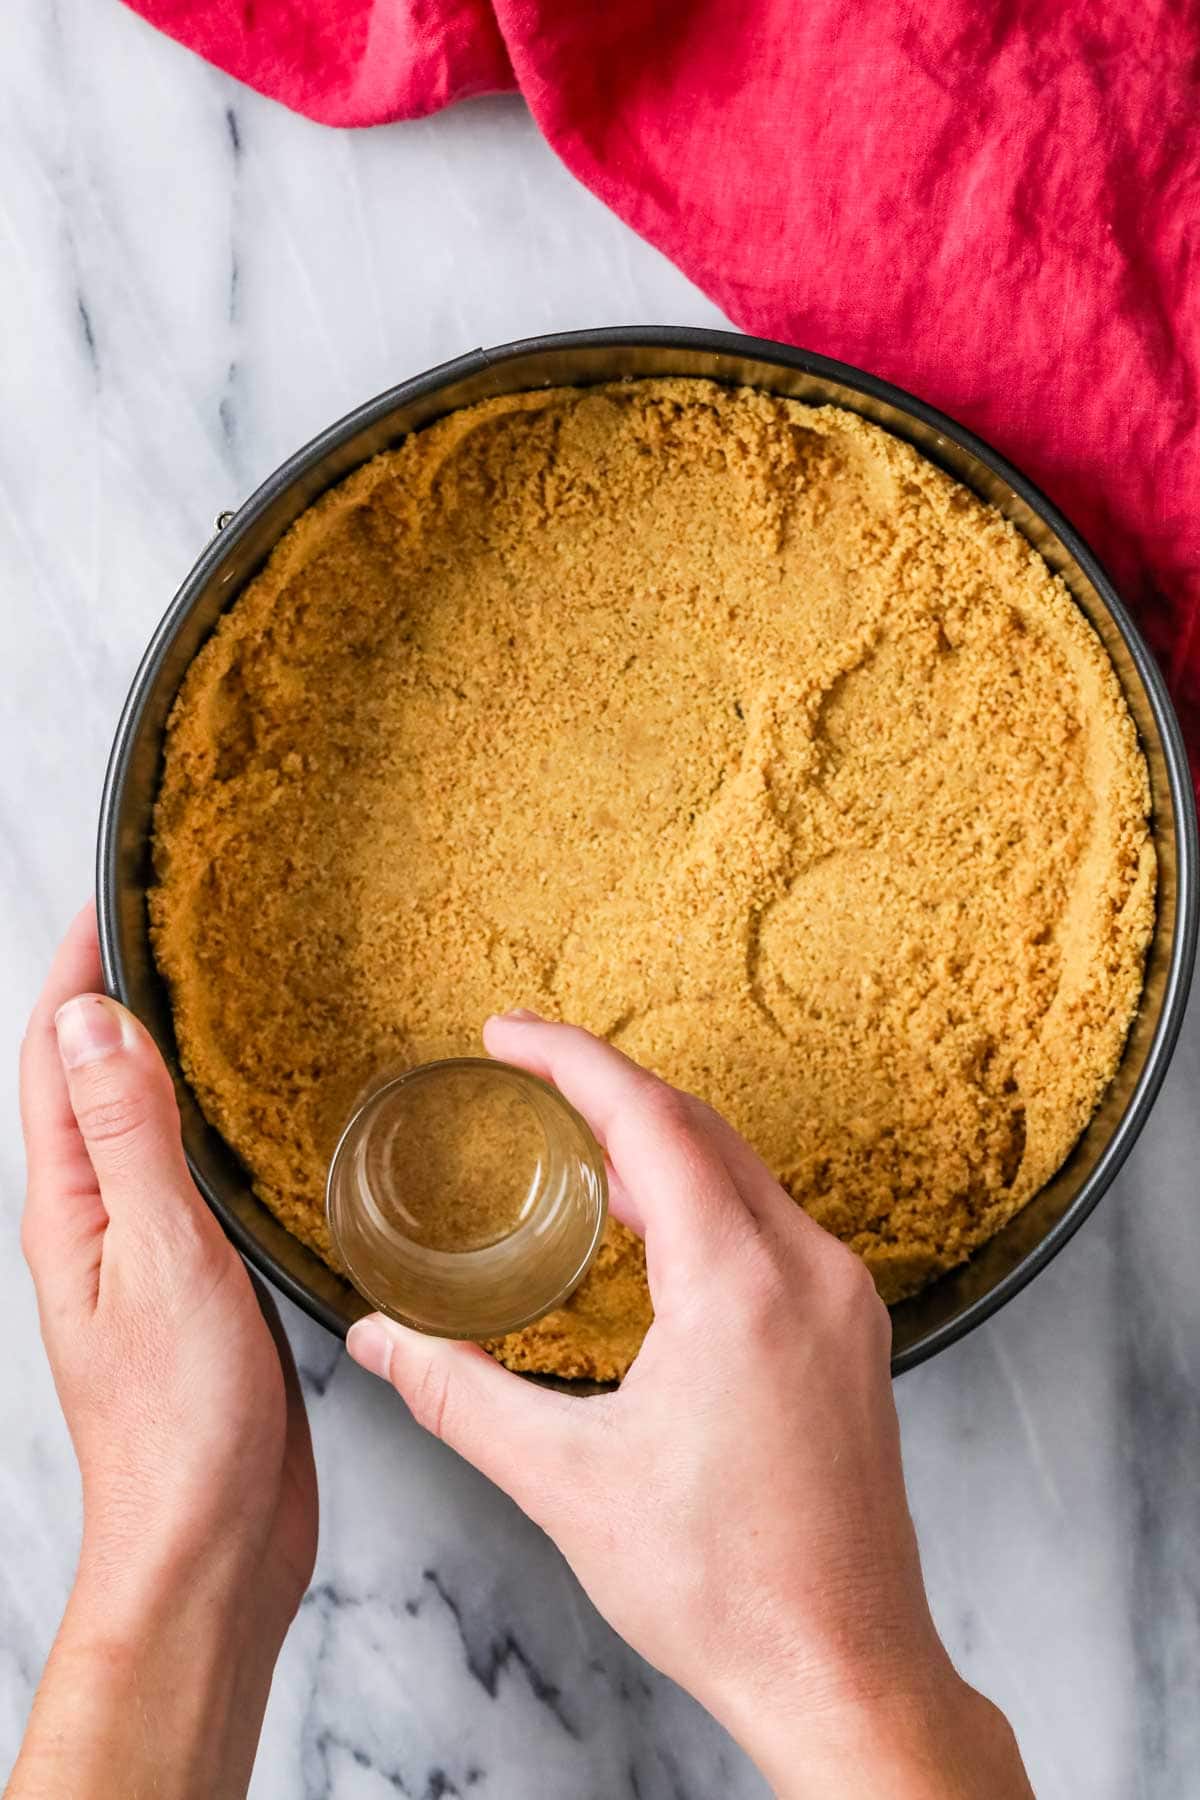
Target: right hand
x,y
737,1509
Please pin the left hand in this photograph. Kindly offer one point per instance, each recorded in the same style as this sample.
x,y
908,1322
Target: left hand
x,y
179,1391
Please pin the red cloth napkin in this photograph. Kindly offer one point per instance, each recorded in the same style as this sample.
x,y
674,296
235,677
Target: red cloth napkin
x,y
991,202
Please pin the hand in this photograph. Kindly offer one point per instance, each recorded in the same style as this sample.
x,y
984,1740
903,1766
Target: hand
x,y
199,1495
737,1509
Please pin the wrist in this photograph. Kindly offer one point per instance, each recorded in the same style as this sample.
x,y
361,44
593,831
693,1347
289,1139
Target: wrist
x,y
160,1585
151,1688
931,1738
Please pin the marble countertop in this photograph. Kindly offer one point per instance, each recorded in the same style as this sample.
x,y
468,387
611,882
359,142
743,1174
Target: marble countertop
x,y
194,282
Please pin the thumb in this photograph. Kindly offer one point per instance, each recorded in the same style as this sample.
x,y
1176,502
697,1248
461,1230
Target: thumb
x,y
526,1439
124,1105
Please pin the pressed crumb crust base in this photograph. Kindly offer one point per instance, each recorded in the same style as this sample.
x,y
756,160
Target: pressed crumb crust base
x,y
729,728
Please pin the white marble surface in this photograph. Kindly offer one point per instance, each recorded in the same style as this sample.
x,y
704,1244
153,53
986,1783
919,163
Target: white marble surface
x,y
191,283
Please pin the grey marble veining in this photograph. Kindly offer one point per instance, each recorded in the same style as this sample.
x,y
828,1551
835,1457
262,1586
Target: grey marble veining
x,y
192,282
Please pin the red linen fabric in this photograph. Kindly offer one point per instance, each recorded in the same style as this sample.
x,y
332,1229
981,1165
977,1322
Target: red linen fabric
x,y
991,202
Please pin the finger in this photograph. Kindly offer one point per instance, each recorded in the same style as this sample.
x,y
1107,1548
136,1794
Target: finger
x,y
669,1172
602,1083
124,1105
522,1437
624,1204
758,1186
762,1191
64,1215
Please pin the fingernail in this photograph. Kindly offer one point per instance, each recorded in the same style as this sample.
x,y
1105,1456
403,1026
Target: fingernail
x,y
523,1014
369,1343
88,1028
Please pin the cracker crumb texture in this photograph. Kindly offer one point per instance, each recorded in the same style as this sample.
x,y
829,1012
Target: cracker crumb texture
x,y
727,727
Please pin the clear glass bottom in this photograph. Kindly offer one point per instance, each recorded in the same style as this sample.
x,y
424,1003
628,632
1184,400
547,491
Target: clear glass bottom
x,y
466,1198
